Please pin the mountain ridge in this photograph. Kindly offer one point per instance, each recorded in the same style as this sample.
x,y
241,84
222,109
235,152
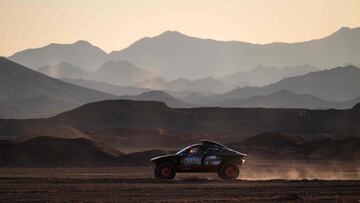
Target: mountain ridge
x,y
287,99
120,73
37,95
63,70
131,122
209,85
157,95
106,87
338,84
196,56
200,58
265,75
80,53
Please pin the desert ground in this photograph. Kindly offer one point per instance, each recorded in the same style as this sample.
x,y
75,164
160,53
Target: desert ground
x,y
136,184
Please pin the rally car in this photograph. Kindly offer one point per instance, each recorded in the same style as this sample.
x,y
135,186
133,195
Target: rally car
x,y
207,156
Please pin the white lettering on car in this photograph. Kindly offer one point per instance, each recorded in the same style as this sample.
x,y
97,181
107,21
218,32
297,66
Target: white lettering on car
x,y
191,161
212,160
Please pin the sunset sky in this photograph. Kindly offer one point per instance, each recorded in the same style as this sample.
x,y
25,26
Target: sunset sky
x,y
115,24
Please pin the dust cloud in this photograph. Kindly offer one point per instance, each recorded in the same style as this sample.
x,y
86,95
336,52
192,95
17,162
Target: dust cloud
x,y
298,170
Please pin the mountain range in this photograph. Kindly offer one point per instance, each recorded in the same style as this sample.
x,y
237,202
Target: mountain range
x,y
173,55
120,73
63,70
26,93
81,54
125,123
115,73
172,51
279,99
132,93
209,85
106,87
158,96
31,94
263,75
124,74
287,99
339,84
76,105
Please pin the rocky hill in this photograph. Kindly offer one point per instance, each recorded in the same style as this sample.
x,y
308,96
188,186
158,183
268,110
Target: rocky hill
x,y
145,123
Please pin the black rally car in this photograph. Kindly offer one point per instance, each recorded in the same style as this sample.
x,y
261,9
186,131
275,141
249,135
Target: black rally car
x,y
208,156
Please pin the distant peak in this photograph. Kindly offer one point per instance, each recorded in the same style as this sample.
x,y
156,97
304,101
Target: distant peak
x,y
350,66
345,68
171,33
344,29
83,42
168,32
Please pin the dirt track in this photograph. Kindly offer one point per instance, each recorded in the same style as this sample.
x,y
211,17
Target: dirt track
x,y
137,185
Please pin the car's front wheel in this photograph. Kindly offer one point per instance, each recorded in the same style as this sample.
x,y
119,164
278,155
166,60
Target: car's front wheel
x,y
165,171
228,171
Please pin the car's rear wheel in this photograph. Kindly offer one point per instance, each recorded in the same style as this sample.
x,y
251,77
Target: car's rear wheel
x,y
165,171
228,171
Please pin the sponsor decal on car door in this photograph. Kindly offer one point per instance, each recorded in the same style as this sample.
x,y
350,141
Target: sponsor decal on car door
x,y
191,161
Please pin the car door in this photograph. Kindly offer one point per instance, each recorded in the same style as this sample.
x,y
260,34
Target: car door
x,y
211,158
191,160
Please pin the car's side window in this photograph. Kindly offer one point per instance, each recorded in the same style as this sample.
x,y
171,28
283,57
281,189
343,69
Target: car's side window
x,y
213,149
194,150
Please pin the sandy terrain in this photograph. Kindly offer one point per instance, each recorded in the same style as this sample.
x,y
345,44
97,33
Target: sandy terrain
x,y
137,185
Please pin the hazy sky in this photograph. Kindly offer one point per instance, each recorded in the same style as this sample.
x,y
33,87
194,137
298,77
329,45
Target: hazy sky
x,y
115,24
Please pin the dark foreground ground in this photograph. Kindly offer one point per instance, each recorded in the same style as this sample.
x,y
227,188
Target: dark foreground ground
x,y
137,185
